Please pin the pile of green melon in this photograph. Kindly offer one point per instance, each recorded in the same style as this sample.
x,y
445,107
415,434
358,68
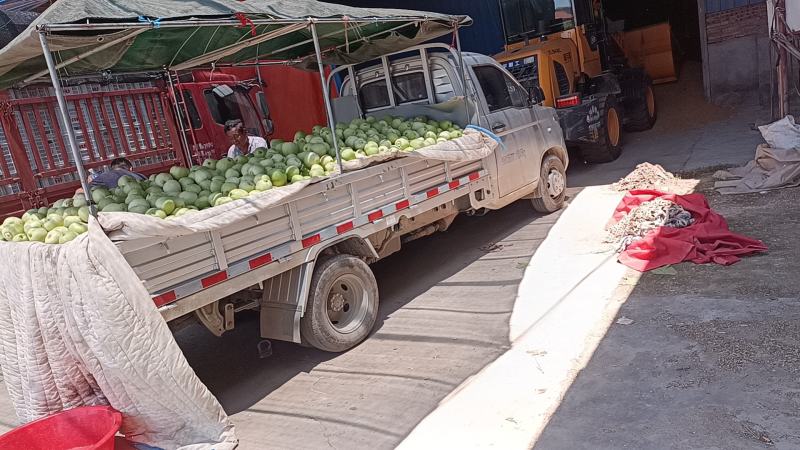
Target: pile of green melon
x,y
61,223
183,191
369,137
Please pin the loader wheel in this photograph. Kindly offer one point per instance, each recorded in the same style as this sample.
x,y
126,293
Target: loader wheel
x,y
552,186
342,304
643,114
609,145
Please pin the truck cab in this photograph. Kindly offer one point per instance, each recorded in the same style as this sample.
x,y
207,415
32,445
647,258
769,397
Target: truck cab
x,y
532,160
211,99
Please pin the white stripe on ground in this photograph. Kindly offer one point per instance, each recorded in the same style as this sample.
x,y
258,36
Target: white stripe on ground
x,y
562,310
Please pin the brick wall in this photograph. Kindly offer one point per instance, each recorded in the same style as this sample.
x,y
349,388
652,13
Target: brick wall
x,y
736,22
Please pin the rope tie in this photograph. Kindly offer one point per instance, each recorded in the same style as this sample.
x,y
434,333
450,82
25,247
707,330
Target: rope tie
x,y
244,22
155,23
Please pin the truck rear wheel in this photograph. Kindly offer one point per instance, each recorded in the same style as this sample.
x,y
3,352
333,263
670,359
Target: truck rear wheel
x,y
552,186
609,145
342,305
643,113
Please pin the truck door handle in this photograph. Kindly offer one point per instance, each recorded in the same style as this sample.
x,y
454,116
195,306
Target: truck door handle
x,y
498,127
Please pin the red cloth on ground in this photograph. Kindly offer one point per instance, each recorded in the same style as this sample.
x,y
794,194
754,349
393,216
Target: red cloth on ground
x,y
707,240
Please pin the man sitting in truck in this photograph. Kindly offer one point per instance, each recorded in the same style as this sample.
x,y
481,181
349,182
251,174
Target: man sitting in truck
x,y
242,142
119,167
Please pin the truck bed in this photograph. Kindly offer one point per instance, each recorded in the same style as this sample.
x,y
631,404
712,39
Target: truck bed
x,y
187,272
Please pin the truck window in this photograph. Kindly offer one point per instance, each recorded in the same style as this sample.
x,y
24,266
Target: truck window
x,y
499,89
409,88
561,78
234,106
374,95
262,103
194,116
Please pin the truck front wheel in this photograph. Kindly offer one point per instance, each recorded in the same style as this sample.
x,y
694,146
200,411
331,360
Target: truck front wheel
x,y
552,186
342,304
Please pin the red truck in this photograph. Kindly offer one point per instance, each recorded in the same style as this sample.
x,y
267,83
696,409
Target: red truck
x,y
138,120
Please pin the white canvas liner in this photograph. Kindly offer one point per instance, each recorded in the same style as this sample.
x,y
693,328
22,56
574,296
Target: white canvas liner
x,y
776,164
80,329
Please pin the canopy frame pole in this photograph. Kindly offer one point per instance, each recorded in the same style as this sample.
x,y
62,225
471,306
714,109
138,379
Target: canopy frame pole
x,y
463,74
66,122
227,22
187,153
325,93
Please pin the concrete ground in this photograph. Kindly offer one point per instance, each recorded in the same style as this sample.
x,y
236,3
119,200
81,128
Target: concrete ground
x,y
483,330
711,360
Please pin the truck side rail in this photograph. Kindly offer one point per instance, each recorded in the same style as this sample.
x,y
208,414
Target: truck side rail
x,y
185,273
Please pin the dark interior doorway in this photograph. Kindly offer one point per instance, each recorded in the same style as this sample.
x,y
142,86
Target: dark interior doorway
x,y
681,14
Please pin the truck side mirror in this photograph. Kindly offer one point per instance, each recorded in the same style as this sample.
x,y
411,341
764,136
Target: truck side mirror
x,y
536,95
269,126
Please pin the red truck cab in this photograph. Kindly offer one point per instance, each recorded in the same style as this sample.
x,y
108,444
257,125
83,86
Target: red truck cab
x,y
210,99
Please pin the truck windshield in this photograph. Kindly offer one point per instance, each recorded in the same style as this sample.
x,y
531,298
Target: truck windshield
x,y
532,18
234,106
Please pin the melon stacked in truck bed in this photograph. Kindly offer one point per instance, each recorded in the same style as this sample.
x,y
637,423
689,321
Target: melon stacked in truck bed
x,y
184,190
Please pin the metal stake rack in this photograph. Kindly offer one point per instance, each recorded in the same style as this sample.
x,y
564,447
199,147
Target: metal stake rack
x,y
288,26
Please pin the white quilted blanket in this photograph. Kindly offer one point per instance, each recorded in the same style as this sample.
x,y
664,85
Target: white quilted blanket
x,y
79,328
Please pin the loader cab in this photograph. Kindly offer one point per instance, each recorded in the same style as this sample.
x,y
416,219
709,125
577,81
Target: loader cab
x,y
550,44
207,100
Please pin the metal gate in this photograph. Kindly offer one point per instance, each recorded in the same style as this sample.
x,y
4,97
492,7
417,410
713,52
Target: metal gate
x,y
110,120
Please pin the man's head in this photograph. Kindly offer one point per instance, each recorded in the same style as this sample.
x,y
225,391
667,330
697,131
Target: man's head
x,y
236,132
121,163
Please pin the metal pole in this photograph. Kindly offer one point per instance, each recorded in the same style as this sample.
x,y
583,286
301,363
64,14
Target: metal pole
x,y
187,153
325,94
463,74
783,60
67,122
354,83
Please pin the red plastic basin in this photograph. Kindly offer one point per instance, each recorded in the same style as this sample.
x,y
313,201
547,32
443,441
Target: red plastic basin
x,y
85,428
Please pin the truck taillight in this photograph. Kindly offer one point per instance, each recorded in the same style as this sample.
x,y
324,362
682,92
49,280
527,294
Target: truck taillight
x,y
566,102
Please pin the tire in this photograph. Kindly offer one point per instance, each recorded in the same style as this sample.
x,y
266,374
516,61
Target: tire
x,y
342,304
609,145
643,112
552,186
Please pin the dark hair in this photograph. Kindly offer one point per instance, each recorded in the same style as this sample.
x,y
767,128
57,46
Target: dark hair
x,y
233,124
117,163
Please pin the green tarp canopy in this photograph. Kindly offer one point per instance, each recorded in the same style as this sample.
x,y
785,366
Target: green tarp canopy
x,y
123,36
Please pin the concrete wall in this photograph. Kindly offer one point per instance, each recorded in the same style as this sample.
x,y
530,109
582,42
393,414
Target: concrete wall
x,y
738,58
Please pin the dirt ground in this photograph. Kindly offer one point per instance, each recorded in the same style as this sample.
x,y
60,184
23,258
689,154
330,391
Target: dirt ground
x,y
712,358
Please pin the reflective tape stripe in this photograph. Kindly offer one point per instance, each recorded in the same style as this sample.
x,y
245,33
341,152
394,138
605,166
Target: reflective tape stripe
x,y
217,278
344,228
311,240
260,261
163,299
282,251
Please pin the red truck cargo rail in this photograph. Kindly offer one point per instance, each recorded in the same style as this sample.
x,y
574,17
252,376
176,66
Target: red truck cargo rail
x,y
134,120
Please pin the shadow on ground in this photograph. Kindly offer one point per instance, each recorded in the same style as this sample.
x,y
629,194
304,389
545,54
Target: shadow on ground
x,y
712,357
445,308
